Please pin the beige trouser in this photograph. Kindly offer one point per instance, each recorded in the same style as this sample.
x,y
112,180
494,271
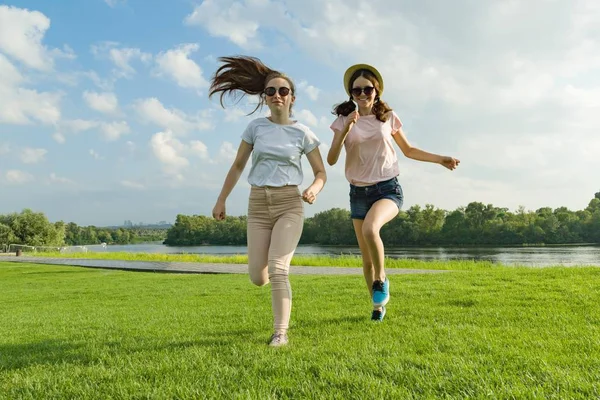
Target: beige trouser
x,y
275,221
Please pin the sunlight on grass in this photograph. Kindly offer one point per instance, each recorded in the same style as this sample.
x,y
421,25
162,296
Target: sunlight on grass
x,y
72,332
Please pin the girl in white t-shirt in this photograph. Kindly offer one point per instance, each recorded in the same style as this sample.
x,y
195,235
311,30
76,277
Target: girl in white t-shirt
x,y
275,209
367,127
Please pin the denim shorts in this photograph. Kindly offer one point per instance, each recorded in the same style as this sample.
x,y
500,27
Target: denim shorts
x,y
362,198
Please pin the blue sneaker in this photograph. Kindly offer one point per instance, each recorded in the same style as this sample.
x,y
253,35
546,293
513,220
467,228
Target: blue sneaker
x,y
378,315
381,293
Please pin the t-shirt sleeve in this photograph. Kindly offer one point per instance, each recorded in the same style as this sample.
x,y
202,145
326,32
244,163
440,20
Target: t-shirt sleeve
x,y
338,124
249,134
311,142
396,123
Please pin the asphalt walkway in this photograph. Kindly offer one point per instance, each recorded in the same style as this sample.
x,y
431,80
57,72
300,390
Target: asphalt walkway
x,y
197,268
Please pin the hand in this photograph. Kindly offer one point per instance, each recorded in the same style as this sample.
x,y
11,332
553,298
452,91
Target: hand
x,y
449,162
218,212
351,120
309,196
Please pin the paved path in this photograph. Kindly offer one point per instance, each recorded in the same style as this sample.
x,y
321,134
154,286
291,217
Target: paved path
x,y
198,268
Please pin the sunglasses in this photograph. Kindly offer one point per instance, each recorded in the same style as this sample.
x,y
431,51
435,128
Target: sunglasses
x,y
283,91
368,90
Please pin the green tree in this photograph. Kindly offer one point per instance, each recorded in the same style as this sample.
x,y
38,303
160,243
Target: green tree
x,y
34,229
6,236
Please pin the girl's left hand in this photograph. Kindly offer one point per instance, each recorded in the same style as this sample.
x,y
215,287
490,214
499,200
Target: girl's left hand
x,y
309,196
449,162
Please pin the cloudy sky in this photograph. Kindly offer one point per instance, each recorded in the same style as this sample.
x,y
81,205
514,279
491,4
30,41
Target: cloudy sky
x,y
104,114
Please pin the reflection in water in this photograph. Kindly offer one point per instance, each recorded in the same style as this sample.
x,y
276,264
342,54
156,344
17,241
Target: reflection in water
x,y
533,256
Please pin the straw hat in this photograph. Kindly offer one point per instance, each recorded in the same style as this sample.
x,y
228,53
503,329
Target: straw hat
x,y
350,71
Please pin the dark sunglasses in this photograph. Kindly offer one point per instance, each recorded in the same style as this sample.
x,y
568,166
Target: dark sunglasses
x,y
283,91
368,90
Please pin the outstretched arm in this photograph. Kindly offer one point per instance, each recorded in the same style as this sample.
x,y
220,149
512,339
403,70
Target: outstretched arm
x,y
420,155
233,176
316,162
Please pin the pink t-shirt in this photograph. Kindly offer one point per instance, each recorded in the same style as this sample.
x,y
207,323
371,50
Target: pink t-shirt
x,y
370,153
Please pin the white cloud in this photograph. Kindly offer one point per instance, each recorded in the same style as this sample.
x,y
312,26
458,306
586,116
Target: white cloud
x,y
78,125
55,179
95,155
10,74
17,177
121,57
33,156
233,114
199,149
73,126
231,21
105,103
112,131
59,137
151,110
104,84
114,3
131,147
4,148
177,65
21,106
308,118
311,91
169,151
21,35
133,185
227,152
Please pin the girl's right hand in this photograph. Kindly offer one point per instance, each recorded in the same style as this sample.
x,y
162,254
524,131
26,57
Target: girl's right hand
x,y
219,211
351,120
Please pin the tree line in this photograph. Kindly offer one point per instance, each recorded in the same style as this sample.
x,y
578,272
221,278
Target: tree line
x,y
33,229
475,224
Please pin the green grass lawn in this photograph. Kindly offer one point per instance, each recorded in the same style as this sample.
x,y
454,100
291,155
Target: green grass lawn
x,y
76,333
306,260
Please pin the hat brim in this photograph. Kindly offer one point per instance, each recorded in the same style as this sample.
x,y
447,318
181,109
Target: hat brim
x,y
350,71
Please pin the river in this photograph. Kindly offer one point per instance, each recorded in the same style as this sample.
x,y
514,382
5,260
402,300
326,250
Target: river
x,y
531,256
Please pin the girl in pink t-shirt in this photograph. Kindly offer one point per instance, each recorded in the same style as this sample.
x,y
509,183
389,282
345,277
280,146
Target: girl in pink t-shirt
x,y
367,128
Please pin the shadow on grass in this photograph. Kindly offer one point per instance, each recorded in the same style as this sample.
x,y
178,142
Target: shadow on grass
x,y
74,271
58,352
17,356
213,341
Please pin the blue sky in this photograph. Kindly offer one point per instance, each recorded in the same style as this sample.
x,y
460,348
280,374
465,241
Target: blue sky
x,y
104,115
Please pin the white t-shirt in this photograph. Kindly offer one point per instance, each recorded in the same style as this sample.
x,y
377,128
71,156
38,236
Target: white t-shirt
x,y
277,151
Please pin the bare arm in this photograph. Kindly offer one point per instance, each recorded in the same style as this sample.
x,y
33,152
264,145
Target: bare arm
x,y
339,137
233,176
316,162
420,155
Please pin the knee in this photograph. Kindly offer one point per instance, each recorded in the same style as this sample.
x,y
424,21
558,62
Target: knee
x,y
370,232
258,276
278,273
259,280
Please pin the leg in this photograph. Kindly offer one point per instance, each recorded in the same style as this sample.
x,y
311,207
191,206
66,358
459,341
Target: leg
x,y
368,270
382,212
284,240
259,227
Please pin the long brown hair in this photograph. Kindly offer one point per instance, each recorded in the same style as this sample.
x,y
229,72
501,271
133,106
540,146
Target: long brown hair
x,y
242,75
380,107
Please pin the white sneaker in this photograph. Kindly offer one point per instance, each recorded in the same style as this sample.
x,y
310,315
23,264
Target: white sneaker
x,y
278,340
